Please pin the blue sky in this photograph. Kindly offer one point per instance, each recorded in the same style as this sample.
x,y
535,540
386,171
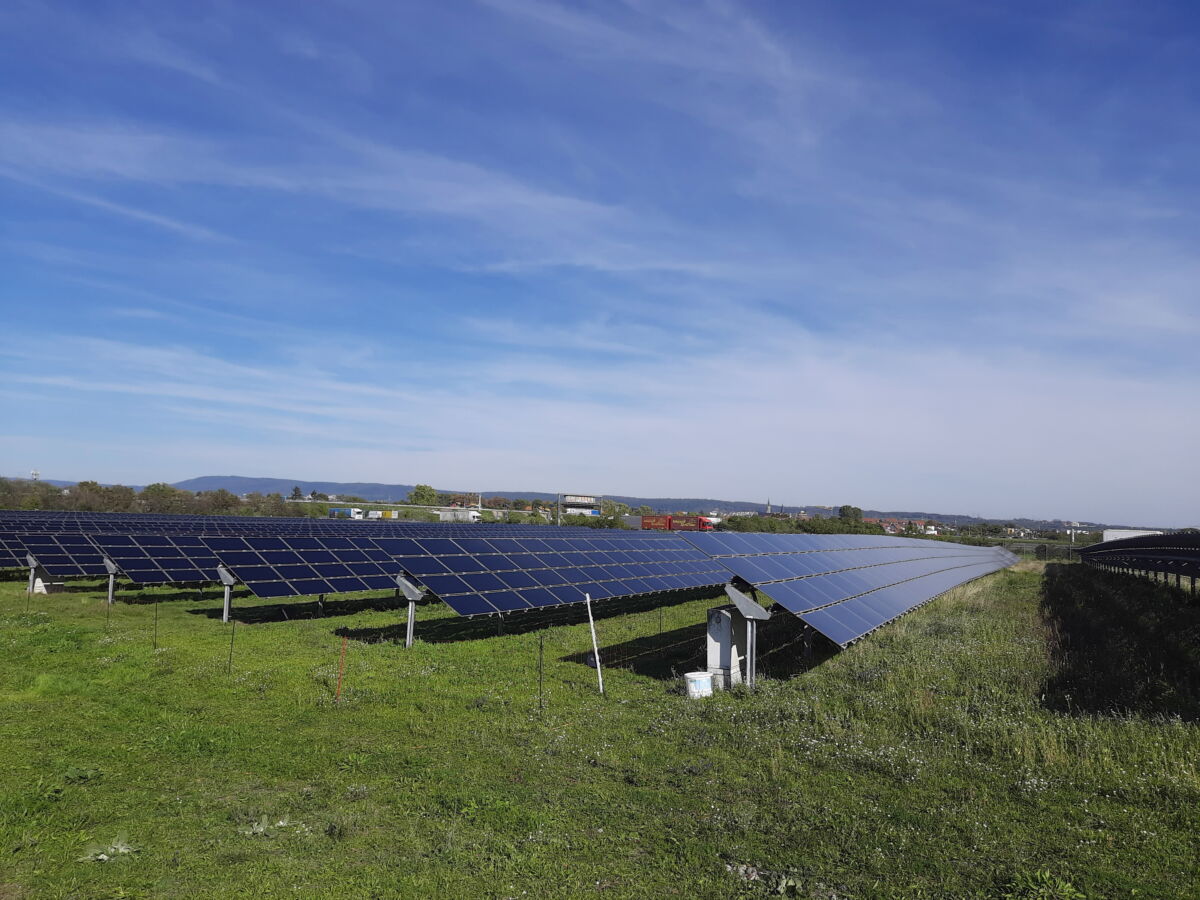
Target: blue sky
x,y
935,256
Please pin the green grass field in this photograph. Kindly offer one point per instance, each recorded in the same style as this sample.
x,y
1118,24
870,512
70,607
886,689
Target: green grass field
x,y
941,757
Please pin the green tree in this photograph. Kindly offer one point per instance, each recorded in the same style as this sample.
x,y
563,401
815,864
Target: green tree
x,y
614,508
423,495
119,498
218,503
296,493
850,513
162,498
87,496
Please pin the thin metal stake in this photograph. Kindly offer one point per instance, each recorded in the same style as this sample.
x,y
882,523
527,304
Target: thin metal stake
x,y
107,612
595,645
232,632
155,623
541,672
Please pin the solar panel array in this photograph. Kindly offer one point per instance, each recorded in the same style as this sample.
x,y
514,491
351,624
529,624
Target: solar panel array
x,y
298,565
159,558
1165,553
12,551
846,586
65,554
482,575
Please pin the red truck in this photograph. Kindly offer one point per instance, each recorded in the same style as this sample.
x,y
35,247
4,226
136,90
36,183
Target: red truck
x,y
677,523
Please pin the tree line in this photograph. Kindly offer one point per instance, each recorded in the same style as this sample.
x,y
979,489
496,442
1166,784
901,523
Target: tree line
x,y
849,520
160,498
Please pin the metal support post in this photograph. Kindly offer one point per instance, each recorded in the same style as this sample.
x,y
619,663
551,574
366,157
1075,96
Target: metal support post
x,y
32,579
595,645
751,652
226,579
112,583
413,593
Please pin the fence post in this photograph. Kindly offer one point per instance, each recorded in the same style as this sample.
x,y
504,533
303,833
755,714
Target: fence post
x,y
595,645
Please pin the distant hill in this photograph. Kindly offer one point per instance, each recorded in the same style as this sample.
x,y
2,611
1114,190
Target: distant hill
x,y
397,493
239,484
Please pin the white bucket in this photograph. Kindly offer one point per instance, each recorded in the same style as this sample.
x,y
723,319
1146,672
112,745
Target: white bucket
x,y
699,684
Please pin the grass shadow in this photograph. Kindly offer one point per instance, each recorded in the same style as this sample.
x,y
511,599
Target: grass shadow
x,y
666,655
142,596
77,587
786,647
1120,644
310,609
450,629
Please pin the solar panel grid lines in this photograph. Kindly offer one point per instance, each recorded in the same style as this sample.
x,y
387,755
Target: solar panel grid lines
x,y
480,569
847,585
305,565
808,595
722,544
64,554
856,617
478,575
159,558
1168,554
757,570
12,552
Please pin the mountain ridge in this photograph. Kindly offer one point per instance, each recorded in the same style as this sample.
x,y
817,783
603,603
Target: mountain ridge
x,y
378,492
397,493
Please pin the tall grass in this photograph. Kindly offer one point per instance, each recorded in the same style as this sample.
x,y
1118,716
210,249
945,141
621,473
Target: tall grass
x,y
930,760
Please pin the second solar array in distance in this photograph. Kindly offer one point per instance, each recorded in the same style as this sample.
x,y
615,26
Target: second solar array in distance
x,y
305,565
494,574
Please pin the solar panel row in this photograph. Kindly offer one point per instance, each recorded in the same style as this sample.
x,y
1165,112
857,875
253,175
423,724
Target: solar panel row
x,y
845,586
159,558
842,585
856,617
298,566
1177,554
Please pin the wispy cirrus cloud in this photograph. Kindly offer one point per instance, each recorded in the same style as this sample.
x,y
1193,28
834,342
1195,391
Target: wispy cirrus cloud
x,y
774,251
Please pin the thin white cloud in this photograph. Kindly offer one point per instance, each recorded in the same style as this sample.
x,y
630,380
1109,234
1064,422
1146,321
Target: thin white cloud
x,y
796,416
187,229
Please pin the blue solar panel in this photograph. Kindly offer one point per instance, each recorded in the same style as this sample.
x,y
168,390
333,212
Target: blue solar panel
x,y
158,558
272,566
64,554
847,585
553,568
